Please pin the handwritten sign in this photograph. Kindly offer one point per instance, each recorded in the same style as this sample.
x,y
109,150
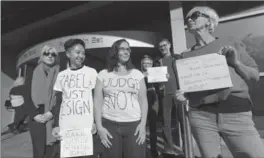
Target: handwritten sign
x,y
76,112
76,143
206,72
157,74
77,106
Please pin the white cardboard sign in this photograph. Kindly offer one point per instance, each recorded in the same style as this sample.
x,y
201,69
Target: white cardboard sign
x,y
206,72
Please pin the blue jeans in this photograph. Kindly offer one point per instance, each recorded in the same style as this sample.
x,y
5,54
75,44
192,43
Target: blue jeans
x,y
236,129
124,141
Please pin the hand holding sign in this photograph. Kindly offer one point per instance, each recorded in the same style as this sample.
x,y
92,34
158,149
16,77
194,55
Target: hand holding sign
x,y
94,130
231,55
56,133
179,96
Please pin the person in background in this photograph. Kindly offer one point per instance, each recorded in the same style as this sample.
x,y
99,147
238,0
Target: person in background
x,y
44,99
222,113
168,102
153,104
19,100
121,105
74,87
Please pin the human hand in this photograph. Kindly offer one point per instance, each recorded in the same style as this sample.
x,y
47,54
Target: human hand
x,y
48,116
167,75
104,134
162,86
94,130
179,97
141,132
56,133
40,118
231,55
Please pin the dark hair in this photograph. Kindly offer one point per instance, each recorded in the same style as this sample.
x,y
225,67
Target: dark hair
x,y
146,57
112,58
157,46
71,42
164,39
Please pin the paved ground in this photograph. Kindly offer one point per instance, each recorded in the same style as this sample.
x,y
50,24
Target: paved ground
x,y
19,146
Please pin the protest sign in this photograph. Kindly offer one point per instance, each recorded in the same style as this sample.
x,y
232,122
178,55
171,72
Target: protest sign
x,y
206,72
76,142
157,74
76,112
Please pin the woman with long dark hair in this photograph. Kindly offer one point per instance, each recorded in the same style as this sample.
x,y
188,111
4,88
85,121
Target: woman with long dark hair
x,y
121,105
43,97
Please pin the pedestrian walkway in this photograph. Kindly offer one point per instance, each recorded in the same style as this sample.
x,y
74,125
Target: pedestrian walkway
x,y
16,146
19,146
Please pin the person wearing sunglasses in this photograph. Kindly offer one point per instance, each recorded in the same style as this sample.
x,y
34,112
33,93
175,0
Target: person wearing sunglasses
x,y
121,105
44,76
222,113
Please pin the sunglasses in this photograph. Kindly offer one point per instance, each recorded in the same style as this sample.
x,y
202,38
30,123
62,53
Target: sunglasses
x,y
125,49
196,15
48,53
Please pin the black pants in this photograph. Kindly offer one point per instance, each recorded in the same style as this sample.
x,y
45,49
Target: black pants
x,y
123,141
167,105
38,137
53,151
20,115
153,109
18,123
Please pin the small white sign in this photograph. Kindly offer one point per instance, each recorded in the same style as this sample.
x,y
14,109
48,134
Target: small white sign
x,y
157,74
77,142
206,72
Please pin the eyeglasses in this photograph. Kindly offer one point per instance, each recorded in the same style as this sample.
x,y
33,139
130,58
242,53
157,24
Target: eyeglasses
x,y
48,53
163,45
124,49
197,14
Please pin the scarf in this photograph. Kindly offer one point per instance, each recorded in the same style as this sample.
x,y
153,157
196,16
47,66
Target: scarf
x,y
42,93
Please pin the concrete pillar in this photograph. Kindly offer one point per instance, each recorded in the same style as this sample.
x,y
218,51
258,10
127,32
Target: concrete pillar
x,y
177,27
178,41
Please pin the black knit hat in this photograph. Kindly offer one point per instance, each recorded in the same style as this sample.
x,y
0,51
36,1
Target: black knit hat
x,y
71,42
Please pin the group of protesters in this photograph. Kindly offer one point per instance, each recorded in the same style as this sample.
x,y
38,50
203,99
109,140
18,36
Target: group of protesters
x,y
121,124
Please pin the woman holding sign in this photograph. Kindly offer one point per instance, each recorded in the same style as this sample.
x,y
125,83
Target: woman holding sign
x,y
121,105
226,112
73,113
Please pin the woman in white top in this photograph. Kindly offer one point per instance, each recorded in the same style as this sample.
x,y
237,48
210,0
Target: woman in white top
x,y
121,105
